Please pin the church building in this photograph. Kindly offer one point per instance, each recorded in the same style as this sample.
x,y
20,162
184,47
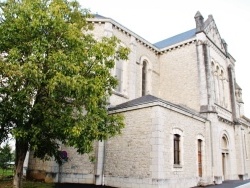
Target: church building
x,y
184,116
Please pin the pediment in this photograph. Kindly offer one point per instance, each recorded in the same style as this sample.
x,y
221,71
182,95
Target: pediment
x,y
213,33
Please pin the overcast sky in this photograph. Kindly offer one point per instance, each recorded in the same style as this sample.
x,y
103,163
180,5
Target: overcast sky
x,y
160,19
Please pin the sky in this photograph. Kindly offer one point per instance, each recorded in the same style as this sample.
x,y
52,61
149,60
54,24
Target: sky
x,y
160,19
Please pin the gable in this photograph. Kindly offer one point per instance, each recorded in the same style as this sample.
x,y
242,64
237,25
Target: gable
x,y
212,32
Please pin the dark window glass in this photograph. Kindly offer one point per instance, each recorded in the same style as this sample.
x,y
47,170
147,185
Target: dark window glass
x,y
118,74
199,158
144,74
176,149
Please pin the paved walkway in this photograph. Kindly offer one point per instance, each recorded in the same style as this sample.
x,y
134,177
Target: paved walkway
x,y
232,184
225,184
76,185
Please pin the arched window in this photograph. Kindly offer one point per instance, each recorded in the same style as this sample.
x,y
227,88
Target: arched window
x,y
213,80
144,77
200,157
119,75
224,143
176,149
223,100
218,84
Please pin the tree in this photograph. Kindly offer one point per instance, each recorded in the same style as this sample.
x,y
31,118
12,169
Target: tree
x,y
55,79
5,156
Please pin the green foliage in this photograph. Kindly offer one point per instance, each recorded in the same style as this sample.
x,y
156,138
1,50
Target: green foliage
x,y
5,156
55,77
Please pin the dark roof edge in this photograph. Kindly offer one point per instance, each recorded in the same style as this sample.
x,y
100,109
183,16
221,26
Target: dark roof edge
x,y
153,101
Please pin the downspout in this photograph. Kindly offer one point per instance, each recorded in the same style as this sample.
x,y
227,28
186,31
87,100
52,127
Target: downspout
x,y
243,149
211,147
103,163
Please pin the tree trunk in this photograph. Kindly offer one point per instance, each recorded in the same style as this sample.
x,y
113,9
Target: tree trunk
x,y
21,150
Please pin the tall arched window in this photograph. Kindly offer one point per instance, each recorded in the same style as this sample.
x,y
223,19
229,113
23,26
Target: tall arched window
x,y
119,75
213,80
217,84
223,100
176,149
200,157
144,77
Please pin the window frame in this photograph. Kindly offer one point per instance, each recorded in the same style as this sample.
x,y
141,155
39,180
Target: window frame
x,y
144,78
177,151
120,67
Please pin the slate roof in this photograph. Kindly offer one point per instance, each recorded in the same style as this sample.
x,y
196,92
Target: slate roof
x,y
150,99
142,100
237,86
175,39
98,16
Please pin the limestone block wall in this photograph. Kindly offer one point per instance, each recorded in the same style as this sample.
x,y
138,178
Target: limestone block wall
x,y
179,76
220,130
220,77
190,130
247,139
143,155
78,168
132,72
153,70
99,30
128,156
38,169
243,140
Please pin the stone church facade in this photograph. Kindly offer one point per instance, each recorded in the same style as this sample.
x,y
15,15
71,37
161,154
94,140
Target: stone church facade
x,y
184,116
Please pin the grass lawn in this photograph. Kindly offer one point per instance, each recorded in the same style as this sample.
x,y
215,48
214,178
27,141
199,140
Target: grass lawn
x,y
4,173
26,184
6,181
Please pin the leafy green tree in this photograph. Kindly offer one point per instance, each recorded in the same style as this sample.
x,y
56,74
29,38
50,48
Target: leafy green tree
x,y
55,79
5,156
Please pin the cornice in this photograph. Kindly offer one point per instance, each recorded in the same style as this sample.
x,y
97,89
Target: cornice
x,y
126,31
177,46
221,119
168,106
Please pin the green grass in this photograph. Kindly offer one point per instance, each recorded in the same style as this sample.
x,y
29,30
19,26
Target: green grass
x,y
26,184
6,181
4,173
30,184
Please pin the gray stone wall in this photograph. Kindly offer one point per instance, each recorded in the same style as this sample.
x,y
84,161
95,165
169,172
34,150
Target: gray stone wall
x,y
143,154
78,168
178,76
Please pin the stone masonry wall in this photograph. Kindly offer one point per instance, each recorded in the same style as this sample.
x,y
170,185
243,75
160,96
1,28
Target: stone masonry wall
x,y
78,169
128,157
220,62
179,76
190,129
143,155
132,81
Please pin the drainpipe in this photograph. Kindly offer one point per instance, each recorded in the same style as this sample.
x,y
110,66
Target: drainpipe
x,y
103,163
211,147
243,149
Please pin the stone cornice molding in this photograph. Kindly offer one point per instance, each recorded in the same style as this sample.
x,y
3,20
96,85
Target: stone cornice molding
x,y
217,49
153,48
126,31
169,106
139,39
177,46
221,119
